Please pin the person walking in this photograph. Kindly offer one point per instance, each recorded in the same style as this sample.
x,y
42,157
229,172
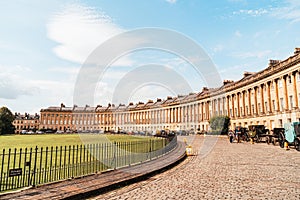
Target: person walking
x,y
238,133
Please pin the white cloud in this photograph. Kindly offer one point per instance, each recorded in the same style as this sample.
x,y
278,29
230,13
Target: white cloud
x,y
289,12
252,12
171,1
13,83
78,30
65,70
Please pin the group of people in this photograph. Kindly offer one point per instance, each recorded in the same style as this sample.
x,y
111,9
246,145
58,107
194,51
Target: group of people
x,y
236,134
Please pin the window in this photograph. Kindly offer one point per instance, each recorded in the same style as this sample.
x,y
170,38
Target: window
x,y
291,102
252,109
266,106
247,110
280,83
281,104
259,108
290,79
273,103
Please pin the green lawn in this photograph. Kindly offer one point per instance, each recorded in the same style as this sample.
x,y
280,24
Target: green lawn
x,y
48,140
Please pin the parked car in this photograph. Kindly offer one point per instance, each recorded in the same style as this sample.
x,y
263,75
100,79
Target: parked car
x,y
59,131
40,132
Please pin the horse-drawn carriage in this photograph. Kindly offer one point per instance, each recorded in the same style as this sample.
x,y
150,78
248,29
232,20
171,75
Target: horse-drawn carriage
x,y
239,133
258,133
276,135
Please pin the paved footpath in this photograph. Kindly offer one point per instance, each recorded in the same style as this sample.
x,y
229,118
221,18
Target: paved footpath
x,y
228,171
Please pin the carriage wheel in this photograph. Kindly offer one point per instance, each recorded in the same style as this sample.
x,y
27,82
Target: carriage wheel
x,y
297,144
268,140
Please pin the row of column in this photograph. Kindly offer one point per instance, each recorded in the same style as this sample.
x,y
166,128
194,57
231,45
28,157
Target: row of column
x,y
265,103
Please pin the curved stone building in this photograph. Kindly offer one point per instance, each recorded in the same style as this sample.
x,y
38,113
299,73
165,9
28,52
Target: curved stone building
x,y
270,97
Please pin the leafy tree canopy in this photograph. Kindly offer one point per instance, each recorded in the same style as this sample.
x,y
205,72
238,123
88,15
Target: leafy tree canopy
x,y
6,120
220,123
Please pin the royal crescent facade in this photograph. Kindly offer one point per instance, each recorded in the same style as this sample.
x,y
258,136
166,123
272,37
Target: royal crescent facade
x,y
270,97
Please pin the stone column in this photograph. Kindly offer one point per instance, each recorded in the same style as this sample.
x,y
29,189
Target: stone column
x,y
285,92
244,103
207,107
276,95
269,96
249,103
255,101
171,115
238,104
295,99
202,111
232,105
228,107
197,112
262,98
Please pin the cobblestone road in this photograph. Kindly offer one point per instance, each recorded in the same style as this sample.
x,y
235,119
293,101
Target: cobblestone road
x,y
229,171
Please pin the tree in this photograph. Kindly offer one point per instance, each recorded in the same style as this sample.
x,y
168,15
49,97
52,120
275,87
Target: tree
x,y
6,120
220,124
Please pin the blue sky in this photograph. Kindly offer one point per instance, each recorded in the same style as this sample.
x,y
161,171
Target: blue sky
x,y
44,44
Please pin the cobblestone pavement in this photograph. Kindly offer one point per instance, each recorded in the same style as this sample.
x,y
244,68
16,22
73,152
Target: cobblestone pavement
x,y
229,171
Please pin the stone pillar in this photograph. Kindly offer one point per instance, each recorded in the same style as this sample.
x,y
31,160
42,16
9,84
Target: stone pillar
x,y
207,107
238,104
198,112
285,92
295,99
174,115
269,96
228,108
276,94
244,103
262,98
202,111
232,105
255,101
219,106
249,102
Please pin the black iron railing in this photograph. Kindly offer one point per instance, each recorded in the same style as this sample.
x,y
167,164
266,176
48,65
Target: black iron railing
x,y
36,166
